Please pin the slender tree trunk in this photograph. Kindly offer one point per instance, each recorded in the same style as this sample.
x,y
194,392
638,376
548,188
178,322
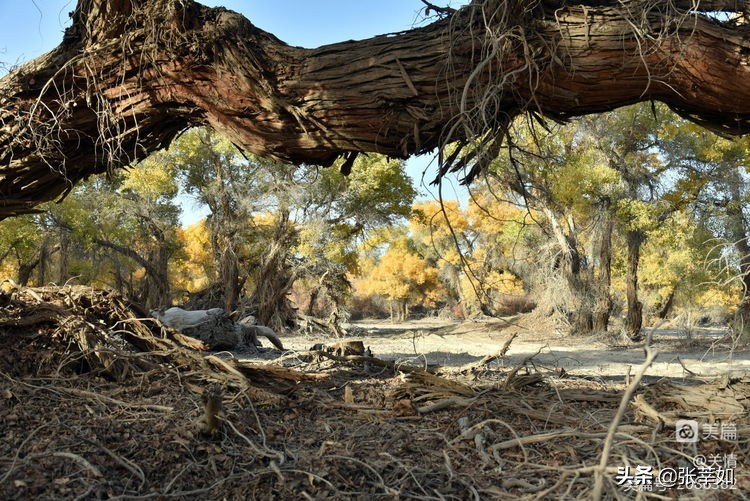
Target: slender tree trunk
x,y
44,255
667,306
25,270
230,275
603,305
399,310
634,317
63,272
156,291
402,310
131,74
570,263
455,279
738,231
313,299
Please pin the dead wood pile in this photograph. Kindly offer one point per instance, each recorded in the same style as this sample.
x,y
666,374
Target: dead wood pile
x,y
97,401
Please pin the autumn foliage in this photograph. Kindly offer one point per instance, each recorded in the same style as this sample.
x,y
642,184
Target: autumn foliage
x,y
616,221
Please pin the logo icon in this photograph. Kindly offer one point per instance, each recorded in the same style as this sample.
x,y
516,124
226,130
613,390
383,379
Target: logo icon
x,y
686,431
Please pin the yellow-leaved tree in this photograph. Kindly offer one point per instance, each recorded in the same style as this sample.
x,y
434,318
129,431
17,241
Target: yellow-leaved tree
x,y
403,277
196,267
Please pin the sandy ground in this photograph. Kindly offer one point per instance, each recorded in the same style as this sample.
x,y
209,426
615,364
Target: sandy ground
x,y
78,424
453,344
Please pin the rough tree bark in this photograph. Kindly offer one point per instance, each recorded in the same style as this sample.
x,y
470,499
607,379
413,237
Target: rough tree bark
x,y
130,74
25,269
603,305
738,230
569,262
634,316
156,292
63,272
274,278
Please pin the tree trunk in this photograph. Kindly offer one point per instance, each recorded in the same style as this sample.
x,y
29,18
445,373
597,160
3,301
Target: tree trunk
x,y
131,74
229,275
120,280
63,271
274,279
37,262
741,321
25,270
399,310
667,306
313,299
738,232
603,305
569,262
454,275
160,292
156,291
44,255
224,223
402,310
634,318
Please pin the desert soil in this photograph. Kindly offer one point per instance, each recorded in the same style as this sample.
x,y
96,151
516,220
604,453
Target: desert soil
x,y
452,344
353,428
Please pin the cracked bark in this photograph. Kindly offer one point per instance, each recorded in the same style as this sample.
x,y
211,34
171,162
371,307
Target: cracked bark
x,y
131,74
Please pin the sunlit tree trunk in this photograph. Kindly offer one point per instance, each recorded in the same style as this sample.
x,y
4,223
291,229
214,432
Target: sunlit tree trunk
x,y
738,231
569,261
454,275
634,315
603,305
274,277
224,237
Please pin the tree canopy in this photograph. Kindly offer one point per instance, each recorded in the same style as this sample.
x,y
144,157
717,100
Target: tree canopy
x,y
129,75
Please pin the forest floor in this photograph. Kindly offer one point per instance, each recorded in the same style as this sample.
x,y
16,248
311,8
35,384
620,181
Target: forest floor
x,y
97,403
453,344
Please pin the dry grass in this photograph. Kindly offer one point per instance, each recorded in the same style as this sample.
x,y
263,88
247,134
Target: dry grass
x,y
315,427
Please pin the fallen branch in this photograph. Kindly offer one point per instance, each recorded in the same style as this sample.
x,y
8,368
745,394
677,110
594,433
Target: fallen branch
x,y
78,459
103,398
509,379
488,359
446,404
373,361
599,472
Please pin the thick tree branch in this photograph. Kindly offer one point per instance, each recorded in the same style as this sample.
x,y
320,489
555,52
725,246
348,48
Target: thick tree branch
x,y
130,253
131,74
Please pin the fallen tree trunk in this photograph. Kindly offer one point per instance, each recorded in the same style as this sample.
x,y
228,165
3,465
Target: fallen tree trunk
x,y
76,329
131,74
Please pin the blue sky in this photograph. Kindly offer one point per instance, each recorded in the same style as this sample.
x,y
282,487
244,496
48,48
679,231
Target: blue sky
x,y
28,28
